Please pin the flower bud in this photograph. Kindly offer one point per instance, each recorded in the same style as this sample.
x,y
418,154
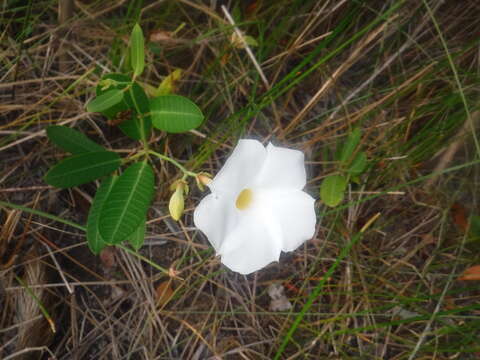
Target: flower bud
x,y
177,204
203,179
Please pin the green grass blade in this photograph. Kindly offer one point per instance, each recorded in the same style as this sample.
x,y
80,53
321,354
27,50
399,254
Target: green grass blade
x,y
42,308
94,239
314,295
127,203
42,214
71,140
82,168
457,78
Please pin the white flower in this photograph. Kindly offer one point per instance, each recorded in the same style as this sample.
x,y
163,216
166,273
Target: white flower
x,y
257,207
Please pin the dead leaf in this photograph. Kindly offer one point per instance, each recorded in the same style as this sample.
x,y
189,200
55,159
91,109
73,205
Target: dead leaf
x,y
279,301
449,303
251,9
162,36
225,58
472,273
169,83
164,293
459,215
402,313
107,257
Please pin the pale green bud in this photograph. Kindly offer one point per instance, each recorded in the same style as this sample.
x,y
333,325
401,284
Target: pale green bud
x,y
203,179
177,204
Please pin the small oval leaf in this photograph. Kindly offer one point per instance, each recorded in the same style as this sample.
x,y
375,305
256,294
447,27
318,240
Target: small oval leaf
x,y
358,164
137,51
332,190
168,84
71,140
472,273
175,113
350,145
127,203
94,239
105,101
82,168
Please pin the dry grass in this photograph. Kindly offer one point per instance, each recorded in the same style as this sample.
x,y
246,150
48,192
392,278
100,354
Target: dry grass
x,y
321,68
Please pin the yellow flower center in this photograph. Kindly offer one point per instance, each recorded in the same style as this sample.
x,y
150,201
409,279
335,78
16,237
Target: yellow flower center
x,y
244,199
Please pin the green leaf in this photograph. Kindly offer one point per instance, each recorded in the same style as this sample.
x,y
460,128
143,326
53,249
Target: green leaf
x,y
138,237
358,164
350,145
167,86
94,239
82,168
134,98
105,101
137,51
127,204
175,114
251,41
71,140
332,190
114,81
474,228
130,126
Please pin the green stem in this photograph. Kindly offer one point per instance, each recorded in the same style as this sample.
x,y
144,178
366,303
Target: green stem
x,y
174,162
38,302
43,214
140,117
143,258
137,155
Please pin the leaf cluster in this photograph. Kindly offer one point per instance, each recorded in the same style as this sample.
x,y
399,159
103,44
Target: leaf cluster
x,y
119,209
352,162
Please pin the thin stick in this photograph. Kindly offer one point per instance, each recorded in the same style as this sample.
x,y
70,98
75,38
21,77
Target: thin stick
x,y
43,132
247,48
31,349
68,286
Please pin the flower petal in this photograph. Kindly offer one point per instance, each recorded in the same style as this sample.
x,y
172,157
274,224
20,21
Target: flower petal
x,y
295,213
240,168
283,168
254,243
216,216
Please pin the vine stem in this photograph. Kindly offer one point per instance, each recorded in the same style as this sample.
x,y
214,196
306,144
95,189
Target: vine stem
x,y
137,155
140,115
174,162
143,258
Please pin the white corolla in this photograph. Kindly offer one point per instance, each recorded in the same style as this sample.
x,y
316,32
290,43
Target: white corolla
x,y
257,208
